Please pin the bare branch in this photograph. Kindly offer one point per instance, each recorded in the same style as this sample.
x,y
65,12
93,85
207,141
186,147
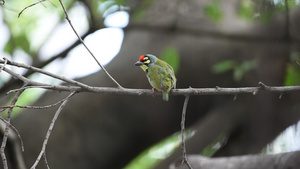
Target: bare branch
x,y
50,130
82,42
4,64
45,160
26,87
2,108
17,132
184,159
81,87
84,86
7,127
30,6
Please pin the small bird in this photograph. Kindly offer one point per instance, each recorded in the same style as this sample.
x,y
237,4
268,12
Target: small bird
x,y
159,73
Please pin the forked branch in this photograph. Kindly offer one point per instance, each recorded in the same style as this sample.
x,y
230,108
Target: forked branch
x,y
82,42
50,130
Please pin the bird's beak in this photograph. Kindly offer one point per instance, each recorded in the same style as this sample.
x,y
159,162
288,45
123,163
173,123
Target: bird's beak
x,y
139,63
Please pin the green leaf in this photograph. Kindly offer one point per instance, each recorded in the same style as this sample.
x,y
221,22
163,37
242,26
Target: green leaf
x,y
243,68
139,14
9,48
20,41
171,56
216,145
23,42
156,153
292,77
238,69
214,10
246,9
248,65
224,66
238,73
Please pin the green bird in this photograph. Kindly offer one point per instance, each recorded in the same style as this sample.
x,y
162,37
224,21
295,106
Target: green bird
x,y
159,73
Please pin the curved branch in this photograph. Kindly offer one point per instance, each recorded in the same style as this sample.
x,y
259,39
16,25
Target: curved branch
x,y
106,72
7,127
184,159
30,6
50,130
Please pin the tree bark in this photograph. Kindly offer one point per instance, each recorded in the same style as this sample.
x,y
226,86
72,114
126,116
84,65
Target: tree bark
x,y
259,161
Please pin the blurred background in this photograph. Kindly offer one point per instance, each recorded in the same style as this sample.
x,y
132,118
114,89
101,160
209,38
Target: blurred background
x,y
209,43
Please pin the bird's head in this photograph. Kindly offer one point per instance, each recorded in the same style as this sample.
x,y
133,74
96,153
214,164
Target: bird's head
x,y
145,61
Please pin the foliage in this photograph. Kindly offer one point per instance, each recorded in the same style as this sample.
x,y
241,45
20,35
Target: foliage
x,y
156,153
292,77
265,11
216,145
163,149
214,10
239,70
23,29
246,9
171,56
140,12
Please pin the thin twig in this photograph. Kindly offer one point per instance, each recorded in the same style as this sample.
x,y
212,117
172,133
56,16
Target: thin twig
x,y
82,42
30,6
45,160
17,132
50,130
4,64
7,127
184,159
26,87
84,86
2,108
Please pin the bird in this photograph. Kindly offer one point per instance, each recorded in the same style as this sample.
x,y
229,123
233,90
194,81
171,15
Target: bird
x,y
160,74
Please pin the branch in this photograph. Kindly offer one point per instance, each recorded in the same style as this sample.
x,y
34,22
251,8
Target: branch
x,y
81,87
6,61
7,127
266,161
79,38
2,108
68,19
17,133
30,6
184,159
16,145
50,130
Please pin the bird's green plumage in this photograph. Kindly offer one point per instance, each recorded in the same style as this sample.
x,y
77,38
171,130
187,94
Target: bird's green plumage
x,y
160,74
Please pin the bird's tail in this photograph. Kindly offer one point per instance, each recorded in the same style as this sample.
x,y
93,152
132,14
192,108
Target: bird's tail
x,y
165,96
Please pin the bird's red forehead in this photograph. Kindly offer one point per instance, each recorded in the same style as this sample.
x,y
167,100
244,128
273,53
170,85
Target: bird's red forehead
x,y
142,58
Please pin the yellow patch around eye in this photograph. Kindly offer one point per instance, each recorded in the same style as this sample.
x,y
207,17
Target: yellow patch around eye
x,y
147,61
145,58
